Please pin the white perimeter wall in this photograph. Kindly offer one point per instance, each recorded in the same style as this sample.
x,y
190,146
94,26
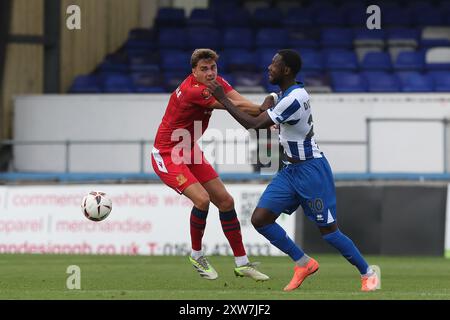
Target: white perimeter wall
x,y
145,220
395,146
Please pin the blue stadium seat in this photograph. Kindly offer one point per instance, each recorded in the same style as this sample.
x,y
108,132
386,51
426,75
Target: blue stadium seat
x,y
444,6
312,60
172,38
265,57
438,59
416,82
267,18
370,35
117,83
238,38
241,60
224,5
108,66
341,60
247,79
302,39
141,38
203,38
399,17
271,38
376,60
354,13
410,60
236,18
321,5
170,17
228,77
222,63
429,17
178,61
201,17
418,6
329,17
441,80
388,4
139,45
173,79
382,82
267,85
412,34
297,18
315,80
348,82
337,37
429,43
438,66
148,82
142,34
144,62
85,84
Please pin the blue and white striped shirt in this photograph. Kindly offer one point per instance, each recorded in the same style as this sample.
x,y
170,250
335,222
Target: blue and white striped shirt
x,y
293,114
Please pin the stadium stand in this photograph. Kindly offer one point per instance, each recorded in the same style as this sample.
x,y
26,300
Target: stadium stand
x,y
414,41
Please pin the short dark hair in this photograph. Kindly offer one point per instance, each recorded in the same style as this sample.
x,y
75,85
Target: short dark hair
x,y
291,59
200,54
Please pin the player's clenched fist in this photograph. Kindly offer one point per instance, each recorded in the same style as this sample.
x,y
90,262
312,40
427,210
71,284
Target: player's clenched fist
x,y
216,90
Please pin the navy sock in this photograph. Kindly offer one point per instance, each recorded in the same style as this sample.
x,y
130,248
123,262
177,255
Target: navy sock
x,y
348,249
278,237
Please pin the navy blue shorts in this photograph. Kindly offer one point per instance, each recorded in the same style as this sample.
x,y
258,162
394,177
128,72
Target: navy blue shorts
x,y
308,184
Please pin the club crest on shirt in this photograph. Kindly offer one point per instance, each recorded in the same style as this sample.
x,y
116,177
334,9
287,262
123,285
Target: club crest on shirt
x,y
206,94
181,179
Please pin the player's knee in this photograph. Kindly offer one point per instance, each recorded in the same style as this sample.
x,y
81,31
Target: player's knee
x,y
262,217
258,220
202,201
226,203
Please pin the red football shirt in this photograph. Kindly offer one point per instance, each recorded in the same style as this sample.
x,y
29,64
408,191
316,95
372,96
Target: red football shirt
x,y
187,104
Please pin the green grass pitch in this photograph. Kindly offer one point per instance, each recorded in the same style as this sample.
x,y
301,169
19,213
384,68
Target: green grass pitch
x,y
173,278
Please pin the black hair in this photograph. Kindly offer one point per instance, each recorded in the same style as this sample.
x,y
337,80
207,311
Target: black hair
x,y
291,59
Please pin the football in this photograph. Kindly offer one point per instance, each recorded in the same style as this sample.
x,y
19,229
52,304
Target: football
x,y
96,206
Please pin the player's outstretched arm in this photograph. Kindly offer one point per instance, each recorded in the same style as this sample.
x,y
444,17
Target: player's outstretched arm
x,y
248,122
246,105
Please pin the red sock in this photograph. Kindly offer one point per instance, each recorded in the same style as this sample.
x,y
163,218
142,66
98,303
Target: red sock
x,y
198,223
232,230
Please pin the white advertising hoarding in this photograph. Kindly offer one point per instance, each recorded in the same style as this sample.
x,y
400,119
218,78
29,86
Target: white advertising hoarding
x,y
145,220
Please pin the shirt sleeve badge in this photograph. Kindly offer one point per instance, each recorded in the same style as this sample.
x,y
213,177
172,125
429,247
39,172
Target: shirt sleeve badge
x,y
206,94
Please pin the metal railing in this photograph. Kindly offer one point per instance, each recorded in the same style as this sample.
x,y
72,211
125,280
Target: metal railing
x,y
143,143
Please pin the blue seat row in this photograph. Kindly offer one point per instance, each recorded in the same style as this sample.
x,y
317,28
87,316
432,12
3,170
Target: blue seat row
x,y
436,81
352,14
367,81
241,37
240,59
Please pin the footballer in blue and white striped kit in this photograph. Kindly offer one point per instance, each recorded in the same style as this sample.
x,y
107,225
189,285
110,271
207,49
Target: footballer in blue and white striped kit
x,y
305,181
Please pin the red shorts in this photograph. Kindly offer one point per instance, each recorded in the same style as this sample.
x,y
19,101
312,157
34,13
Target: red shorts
x,y
180,174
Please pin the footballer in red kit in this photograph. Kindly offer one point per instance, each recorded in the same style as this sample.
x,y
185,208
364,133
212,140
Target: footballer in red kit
x,y
190,102
180,164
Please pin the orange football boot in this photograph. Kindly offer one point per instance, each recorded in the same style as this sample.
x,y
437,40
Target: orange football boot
x,y
370,283
300,274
